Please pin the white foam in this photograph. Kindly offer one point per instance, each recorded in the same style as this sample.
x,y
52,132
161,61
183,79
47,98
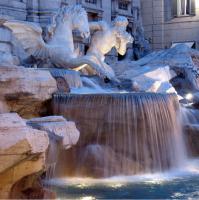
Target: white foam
x,y
191,168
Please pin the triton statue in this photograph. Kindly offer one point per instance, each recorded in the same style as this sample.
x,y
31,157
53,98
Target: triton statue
x,y
107,37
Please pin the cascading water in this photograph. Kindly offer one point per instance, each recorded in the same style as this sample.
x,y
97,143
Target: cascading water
x,y
122,134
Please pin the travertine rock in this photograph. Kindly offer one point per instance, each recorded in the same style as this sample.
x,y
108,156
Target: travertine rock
x,y
149,79
25,90
62,134
66,79
31,188
59,127
181,59
22,151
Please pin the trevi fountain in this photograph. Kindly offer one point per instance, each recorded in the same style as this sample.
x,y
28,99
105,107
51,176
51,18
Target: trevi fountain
x,y
75,127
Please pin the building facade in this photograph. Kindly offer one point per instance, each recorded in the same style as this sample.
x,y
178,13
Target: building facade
x,y
168,22
42,12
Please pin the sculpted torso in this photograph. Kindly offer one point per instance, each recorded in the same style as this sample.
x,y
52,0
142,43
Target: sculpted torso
x,y
107,37
103,41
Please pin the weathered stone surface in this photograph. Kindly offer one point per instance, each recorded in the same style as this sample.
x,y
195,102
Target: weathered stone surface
x,y
22,189
181,59
6,56
3,106
151,79
59,127
66,79
25,90
22,151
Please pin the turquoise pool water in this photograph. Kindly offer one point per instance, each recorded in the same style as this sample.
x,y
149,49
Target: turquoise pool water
x,y
180,184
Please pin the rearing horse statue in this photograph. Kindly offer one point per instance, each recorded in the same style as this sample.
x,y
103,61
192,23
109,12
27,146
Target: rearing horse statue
x,y
59,49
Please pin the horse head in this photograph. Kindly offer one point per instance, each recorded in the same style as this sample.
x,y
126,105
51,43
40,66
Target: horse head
x,y
77,16
80,21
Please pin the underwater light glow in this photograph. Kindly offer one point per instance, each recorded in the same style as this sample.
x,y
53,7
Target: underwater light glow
x,y
82,185
189,96
116,185
88,198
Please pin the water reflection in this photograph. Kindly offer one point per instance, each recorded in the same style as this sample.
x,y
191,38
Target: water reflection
x,y
177,184
88,198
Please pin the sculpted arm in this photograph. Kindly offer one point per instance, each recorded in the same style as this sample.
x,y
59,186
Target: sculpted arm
x,y
98,26
122,48
122,42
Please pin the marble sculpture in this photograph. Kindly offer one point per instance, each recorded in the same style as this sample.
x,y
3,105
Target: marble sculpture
x,y
59,48
105,38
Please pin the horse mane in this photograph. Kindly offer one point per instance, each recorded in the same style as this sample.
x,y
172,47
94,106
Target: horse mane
x,y
63,13
72,11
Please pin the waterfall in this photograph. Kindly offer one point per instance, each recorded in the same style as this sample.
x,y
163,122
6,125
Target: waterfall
x,y
123,134
52,155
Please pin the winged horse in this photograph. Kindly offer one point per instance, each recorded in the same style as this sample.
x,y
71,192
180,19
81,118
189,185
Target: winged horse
x,y
59,49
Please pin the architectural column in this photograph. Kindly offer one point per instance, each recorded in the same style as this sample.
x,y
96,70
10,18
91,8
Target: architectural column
x,y
6,48
153,16
13,8
33,10
158,24
47,8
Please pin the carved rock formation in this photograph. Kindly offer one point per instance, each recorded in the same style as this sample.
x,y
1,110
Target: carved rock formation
x,y
63,135
66,79
21,152
59,127
149,79
25,90
180,59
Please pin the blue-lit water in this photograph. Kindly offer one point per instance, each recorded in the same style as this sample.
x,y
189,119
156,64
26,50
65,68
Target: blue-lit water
x,y
177,184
